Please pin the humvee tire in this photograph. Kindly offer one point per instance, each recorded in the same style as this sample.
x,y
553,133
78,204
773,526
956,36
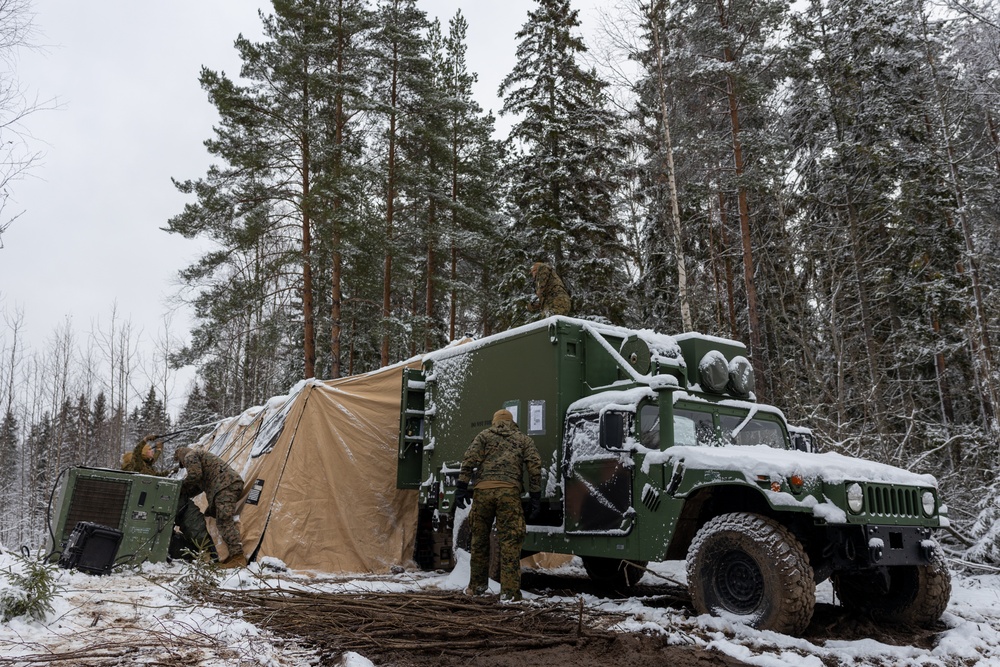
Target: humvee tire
x,y
750,568
903,594
613,573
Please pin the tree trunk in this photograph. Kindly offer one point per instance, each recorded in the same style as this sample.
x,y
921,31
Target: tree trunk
x,y
308,317
336,269
453,302
390,209
728,263
671,175
985,358
744,210
429,287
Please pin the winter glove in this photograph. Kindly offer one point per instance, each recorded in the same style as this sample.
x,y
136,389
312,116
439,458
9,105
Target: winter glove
x,y
536,505
462,495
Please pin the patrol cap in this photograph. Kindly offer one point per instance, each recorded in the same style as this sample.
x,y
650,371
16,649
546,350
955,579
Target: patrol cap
x,y
181,453
502,416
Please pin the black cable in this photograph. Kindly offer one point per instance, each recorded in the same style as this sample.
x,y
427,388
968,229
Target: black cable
x,y
48,517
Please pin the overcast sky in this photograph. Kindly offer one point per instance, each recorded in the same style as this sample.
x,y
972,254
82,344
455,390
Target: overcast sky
x,y
131,116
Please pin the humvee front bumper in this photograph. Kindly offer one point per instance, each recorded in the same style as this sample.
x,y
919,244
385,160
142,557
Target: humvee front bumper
x,y
871,545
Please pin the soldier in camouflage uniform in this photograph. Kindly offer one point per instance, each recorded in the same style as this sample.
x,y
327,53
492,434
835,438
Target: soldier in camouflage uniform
x,y
222,487
143,457
552,296
500,453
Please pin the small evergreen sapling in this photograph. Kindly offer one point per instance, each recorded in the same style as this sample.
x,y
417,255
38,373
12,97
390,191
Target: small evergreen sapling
x,y
29,589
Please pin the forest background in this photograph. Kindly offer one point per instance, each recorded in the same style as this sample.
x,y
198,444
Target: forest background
x,y
817,180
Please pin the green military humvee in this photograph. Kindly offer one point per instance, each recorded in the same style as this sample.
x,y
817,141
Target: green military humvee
x,y
654,448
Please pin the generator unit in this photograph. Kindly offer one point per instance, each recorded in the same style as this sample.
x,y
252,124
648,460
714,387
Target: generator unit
x,y
141,507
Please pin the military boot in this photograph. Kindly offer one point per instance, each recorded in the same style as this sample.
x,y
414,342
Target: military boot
x,y
239,560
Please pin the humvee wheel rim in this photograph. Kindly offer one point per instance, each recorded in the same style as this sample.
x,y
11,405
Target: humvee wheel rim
x,y
739,582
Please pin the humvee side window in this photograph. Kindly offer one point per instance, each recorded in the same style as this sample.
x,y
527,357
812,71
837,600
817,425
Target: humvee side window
x,y
754,432
693,428
615,428
649,426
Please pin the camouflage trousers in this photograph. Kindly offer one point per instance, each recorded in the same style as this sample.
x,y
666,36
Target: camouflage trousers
x,y
225,508
557,305
504,505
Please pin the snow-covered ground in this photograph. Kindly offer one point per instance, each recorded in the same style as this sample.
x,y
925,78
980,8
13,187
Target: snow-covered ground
x,y
144,616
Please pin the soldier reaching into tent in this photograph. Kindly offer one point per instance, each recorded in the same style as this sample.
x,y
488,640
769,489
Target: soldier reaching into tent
x,y
551,296
222,487
500,453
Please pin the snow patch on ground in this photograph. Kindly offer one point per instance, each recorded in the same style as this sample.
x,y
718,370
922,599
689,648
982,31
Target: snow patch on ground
x,y
142,616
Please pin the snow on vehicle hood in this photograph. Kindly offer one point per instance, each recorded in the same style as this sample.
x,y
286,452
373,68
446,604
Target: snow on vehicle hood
x,y
774,463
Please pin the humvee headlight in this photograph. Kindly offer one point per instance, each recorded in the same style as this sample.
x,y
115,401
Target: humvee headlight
x,y
855,498
928,502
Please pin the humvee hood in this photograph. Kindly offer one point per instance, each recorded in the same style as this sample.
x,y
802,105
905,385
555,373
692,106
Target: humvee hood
x,y
773,463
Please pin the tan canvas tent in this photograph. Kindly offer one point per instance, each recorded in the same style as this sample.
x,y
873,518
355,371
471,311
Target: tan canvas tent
x,y
320,473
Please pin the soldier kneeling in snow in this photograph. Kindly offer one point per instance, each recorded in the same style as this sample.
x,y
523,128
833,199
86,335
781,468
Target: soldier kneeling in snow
x,y
222,487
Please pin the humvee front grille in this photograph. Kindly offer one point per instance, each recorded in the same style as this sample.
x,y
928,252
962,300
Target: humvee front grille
x,y
892,501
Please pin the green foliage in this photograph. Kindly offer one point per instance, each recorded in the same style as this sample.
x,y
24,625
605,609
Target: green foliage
x,y
200,575
32,587
566,151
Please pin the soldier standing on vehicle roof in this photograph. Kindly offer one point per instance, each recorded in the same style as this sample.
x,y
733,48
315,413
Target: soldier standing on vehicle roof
x,y
500,453
223,487
551,295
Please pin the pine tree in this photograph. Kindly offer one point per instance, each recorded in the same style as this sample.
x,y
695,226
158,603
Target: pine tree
x,y
8,474
658,193
152,417
878,219
105,448
401,96
565,149
472,171
272,140
39,448
342,172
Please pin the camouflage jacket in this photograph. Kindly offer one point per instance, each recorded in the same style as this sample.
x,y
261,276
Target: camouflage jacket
x,y
206,473
500,453
139,464
553,298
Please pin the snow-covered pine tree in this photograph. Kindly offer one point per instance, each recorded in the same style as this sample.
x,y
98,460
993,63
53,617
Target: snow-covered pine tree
x,y
565,153
401,94
470,237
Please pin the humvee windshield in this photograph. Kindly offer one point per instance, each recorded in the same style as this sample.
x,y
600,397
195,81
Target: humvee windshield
x,y
697,428
693,427
754,432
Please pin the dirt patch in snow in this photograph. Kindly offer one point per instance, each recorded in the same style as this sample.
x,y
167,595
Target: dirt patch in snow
x,y
624,649
555,629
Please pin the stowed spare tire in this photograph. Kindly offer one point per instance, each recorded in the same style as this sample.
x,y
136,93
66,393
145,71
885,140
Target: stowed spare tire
x,y
751,569
905,594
